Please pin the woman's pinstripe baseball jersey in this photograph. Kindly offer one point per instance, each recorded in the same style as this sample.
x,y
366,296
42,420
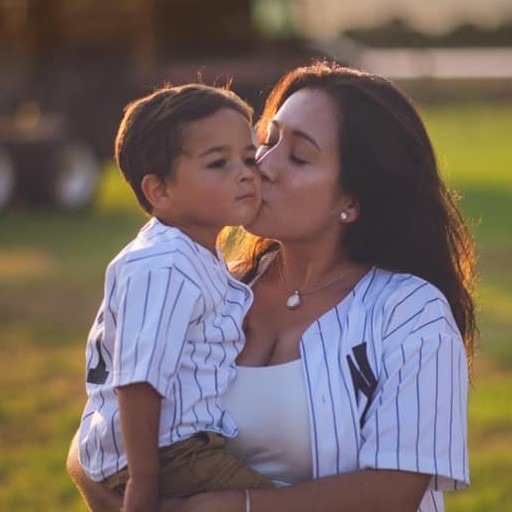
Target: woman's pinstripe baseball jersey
x,y
387,381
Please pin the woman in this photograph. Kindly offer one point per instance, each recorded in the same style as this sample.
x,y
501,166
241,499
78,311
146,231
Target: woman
x,y
352,384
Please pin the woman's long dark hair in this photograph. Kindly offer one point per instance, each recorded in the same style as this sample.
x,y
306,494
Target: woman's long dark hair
x,y
408,220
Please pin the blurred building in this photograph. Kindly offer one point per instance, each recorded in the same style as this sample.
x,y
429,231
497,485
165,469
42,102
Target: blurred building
x,y
67,68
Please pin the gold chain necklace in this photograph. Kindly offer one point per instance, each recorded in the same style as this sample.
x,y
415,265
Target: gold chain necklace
x,y
294,300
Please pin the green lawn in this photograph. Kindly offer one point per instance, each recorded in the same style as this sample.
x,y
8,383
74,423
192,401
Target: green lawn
x,y
473,145
51,273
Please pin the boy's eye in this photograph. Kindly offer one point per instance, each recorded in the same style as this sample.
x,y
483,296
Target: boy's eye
x,y
250,161
218,164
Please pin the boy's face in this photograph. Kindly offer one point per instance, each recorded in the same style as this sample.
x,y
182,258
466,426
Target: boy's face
x,y
214,182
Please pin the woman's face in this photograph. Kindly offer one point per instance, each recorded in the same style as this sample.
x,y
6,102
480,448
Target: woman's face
x,y
300,166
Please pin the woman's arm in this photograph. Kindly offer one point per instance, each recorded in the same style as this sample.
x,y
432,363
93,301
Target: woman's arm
x,y
359,491
96,496
140,433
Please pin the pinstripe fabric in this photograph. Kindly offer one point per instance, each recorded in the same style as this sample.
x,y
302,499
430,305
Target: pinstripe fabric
x,y
171,317
387,381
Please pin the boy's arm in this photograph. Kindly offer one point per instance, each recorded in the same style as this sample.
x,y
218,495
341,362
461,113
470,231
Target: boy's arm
x,y
139,406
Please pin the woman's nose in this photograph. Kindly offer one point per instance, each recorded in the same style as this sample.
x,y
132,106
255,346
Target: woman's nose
x,y
265,165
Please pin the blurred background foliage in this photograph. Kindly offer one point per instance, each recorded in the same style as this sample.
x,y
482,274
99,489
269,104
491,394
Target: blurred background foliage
x,y
398,32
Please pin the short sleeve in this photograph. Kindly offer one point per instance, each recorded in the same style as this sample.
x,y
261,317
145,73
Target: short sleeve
x,y
156,308
418,417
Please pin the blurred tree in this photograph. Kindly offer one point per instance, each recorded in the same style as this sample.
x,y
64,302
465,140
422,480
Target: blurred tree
x,y
394,32
468,34
274,18
397,32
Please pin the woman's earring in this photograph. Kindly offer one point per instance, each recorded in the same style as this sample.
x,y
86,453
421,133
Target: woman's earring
x,y
344,216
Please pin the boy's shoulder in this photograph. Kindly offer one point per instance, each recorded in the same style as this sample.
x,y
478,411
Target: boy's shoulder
x,y
159,238
159,246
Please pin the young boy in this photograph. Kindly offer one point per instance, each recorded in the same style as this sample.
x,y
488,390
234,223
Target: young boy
x,y
161,351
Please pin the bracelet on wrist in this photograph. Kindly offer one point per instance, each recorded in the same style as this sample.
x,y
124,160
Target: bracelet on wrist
x,y
247,501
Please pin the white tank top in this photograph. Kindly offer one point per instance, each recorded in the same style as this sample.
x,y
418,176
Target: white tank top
x,y
269,407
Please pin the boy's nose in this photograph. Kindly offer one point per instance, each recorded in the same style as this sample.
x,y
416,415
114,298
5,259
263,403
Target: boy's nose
x,y
247,172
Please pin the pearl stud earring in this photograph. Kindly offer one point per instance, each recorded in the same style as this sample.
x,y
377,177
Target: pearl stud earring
x,y
344,216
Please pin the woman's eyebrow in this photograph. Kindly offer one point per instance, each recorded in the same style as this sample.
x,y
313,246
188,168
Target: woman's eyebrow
x,y
304,135
297,133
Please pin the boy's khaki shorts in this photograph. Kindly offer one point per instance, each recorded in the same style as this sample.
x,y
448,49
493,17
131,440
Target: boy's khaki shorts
x,y
200,463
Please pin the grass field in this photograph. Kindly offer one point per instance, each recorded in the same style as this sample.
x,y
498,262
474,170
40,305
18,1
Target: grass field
x,y
51,271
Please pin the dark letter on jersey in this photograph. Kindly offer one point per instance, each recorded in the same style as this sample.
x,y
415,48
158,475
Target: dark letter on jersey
x,y
363,378
99,374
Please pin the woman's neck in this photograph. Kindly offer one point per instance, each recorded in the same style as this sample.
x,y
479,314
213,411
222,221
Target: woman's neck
x,y
304,266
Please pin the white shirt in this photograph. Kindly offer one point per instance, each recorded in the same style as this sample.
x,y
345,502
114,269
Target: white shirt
x,y
386,380
171,317
269,406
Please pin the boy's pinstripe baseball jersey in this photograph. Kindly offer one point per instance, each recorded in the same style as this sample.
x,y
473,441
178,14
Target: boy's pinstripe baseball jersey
x,y
171,317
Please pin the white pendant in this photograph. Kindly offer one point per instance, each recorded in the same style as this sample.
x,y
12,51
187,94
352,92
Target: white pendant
x,y
294,301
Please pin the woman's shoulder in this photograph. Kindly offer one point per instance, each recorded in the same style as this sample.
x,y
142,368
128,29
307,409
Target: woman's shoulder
x,y
406,301
397,287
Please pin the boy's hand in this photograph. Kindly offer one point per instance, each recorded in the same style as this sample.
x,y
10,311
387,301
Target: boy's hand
x,y
141,496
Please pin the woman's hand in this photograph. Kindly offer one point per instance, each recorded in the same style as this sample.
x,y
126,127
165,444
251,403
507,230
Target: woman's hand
x,y
96,496
220,501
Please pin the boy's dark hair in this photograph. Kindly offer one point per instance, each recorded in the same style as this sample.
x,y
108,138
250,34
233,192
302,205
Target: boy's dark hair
x,y
149,136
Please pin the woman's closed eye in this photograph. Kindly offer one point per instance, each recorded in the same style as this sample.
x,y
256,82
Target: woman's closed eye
x,y
297,160
269,143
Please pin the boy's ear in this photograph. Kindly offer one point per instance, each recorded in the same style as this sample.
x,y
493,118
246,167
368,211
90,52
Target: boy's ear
x,y
156,191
